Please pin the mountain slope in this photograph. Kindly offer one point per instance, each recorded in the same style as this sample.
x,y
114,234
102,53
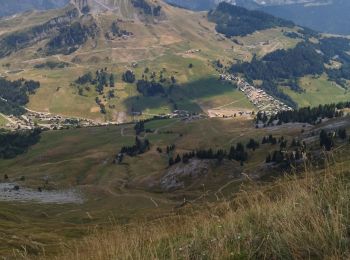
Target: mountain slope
x,y
152,122
178,49
122,35
237,21
18,6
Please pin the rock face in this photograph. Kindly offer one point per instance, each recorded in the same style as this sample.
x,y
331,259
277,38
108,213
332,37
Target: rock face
x,y
181,174
198,172
17,6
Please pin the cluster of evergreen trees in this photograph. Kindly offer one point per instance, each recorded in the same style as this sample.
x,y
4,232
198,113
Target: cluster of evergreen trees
x,y
16,143
117,31
269,140
252,144
147,8
335,48
170,149
209,154
308,114
101,80
237,153
327,139
140,147
139,127
129,76
101,105
10,108
284,156
52,65
149,88
70,38
233,20
15,94
340,75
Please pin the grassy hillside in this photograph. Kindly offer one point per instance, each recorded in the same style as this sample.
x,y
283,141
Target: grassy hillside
x,y
73,195
3,121
178,39
296,217
131,192
317,91
169,45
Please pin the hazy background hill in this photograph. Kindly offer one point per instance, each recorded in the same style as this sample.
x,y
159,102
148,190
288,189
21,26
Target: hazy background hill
x,y
309,13
329,18
10,7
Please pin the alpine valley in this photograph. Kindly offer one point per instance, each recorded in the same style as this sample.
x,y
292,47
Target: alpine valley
x,y
150,129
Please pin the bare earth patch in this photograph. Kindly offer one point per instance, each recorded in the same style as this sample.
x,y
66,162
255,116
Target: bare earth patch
x,y
8,193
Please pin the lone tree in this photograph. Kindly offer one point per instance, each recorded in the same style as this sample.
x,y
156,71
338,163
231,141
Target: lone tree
x,y
111,81
342,133
129,76
252,144
326,140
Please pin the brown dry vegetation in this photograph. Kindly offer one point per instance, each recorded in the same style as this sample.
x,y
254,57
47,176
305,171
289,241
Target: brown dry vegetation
x,y
295,218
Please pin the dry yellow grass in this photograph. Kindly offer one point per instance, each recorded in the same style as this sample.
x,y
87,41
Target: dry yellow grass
x,y
298,217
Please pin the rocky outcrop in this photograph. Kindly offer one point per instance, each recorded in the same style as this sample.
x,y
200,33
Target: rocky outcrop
x,y
196,172
178,176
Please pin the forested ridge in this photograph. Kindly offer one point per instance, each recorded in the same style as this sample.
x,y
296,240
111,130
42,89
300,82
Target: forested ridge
x,y
71,37
286,67
313,55
16,143
237,21
15,94
148,9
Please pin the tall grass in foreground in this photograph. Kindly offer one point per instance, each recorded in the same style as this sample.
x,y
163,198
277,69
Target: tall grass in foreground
x,y
294,218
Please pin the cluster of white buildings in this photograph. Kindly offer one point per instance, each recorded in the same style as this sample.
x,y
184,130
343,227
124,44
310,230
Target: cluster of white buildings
x,y
47,121
16,123
258,97
193,51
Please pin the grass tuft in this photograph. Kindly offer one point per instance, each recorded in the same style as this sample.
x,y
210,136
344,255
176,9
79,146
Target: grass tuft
x,y
296,217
